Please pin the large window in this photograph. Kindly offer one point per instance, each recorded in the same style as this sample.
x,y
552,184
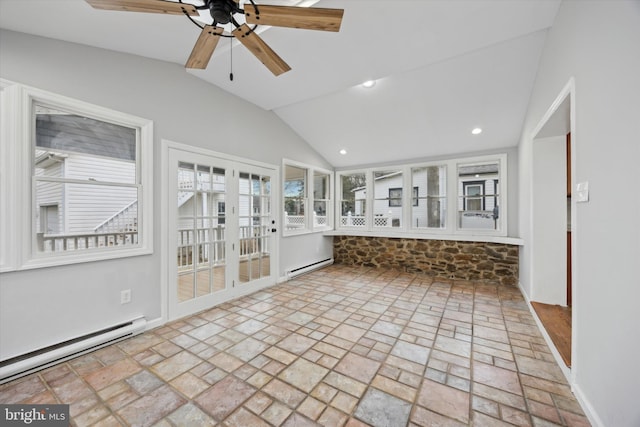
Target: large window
x,y
90,174
457,196
306,198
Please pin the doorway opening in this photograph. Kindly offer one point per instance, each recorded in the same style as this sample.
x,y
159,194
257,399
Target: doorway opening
x,y
552,212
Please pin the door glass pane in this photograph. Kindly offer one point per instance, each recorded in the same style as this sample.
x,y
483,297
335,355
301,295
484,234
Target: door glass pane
x,y
254,223
201,260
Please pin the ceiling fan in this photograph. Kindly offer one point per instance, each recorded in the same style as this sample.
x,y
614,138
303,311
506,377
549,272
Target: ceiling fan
x,y
224,12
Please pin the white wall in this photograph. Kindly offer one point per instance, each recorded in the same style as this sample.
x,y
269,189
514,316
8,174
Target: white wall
x,y
44,306
597,42
549,238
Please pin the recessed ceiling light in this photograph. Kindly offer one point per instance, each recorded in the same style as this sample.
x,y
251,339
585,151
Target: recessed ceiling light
x,y
369,84
476,131
343,151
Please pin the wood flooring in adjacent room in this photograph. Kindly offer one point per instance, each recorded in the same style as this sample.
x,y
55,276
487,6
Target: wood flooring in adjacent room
x,y
557,322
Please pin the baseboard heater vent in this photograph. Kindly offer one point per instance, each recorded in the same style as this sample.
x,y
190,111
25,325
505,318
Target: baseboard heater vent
x,y
25,364
307,268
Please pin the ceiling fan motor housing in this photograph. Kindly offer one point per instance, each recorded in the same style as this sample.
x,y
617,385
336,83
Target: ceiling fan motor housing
x,y
222,10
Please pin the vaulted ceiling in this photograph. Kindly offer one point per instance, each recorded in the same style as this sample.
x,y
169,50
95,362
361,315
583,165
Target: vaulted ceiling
x,y
442,68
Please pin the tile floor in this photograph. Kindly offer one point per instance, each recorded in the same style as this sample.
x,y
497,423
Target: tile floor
x,y
341,346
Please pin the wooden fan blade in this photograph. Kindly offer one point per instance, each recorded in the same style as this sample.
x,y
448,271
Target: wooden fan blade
x,y
149,6
260,49
204,47
308,18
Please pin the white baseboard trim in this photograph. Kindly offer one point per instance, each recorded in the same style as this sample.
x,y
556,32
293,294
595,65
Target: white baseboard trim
x,y
566,371
155,323
591,414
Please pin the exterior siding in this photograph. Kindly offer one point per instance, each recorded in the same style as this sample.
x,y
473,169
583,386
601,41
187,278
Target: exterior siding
x,y
50,194
89,205
83,207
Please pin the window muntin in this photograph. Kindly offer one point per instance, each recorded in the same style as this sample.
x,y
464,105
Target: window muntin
x,y
429,206
479,196
353,199
387,203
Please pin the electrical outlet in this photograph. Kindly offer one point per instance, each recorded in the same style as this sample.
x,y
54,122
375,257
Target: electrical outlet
x,y
125,296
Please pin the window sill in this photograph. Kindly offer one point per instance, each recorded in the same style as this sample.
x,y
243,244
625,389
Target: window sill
x,y
406,235
44,261
304,231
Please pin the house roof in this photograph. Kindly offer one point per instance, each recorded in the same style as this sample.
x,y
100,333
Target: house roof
x,y
72,133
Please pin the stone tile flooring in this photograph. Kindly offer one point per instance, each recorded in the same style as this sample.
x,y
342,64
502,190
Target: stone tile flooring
x,y
341,346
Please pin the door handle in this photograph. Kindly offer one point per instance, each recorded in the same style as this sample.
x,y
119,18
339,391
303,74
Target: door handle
x,y
273,230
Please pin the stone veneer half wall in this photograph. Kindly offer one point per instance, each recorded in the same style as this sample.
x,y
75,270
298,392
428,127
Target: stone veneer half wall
x,y
450,259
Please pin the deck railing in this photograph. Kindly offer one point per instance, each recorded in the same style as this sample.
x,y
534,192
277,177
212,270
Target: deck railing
x,y
209,244
294,222
49,243
124,220
350,220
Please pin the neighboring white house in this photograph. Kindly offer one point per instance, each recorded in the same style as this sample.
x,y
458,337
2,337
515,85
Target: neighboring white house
x,y
85,177
478,204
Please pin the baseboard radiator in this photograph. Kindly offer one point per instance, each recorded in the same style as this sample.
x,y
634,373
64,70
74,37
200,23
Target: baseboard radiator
x,y
19,366
308,268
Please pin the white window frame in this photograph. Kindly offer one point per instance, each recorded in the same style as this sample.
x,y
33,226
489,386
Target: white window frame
x,y
368,217
309,225
8,171
407,229
328,225
19,146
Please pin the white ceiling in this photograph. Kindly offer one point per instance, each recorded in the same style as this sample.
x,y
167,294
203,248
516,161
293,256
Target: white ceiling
x,y
442,68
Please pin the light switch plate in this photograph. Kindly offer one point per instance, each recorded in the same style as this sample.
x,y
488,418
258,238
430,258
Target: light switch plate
x,y
582,192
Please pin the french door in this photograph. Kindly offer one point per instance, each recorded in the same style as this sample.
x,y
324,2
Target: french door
x,y
221,228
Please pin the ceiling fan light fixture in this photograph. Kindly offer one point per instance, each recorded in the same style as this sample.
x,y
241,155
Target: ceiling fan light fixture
x,y
369,84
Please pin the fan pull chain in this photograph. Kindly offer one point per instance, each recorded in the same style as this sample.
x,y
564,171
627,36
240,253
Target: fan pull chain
x,y
231,54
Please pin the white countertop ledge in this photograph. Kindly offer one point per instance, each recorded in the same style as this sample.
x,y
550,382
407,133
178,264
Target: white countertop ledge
x,y
424,236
